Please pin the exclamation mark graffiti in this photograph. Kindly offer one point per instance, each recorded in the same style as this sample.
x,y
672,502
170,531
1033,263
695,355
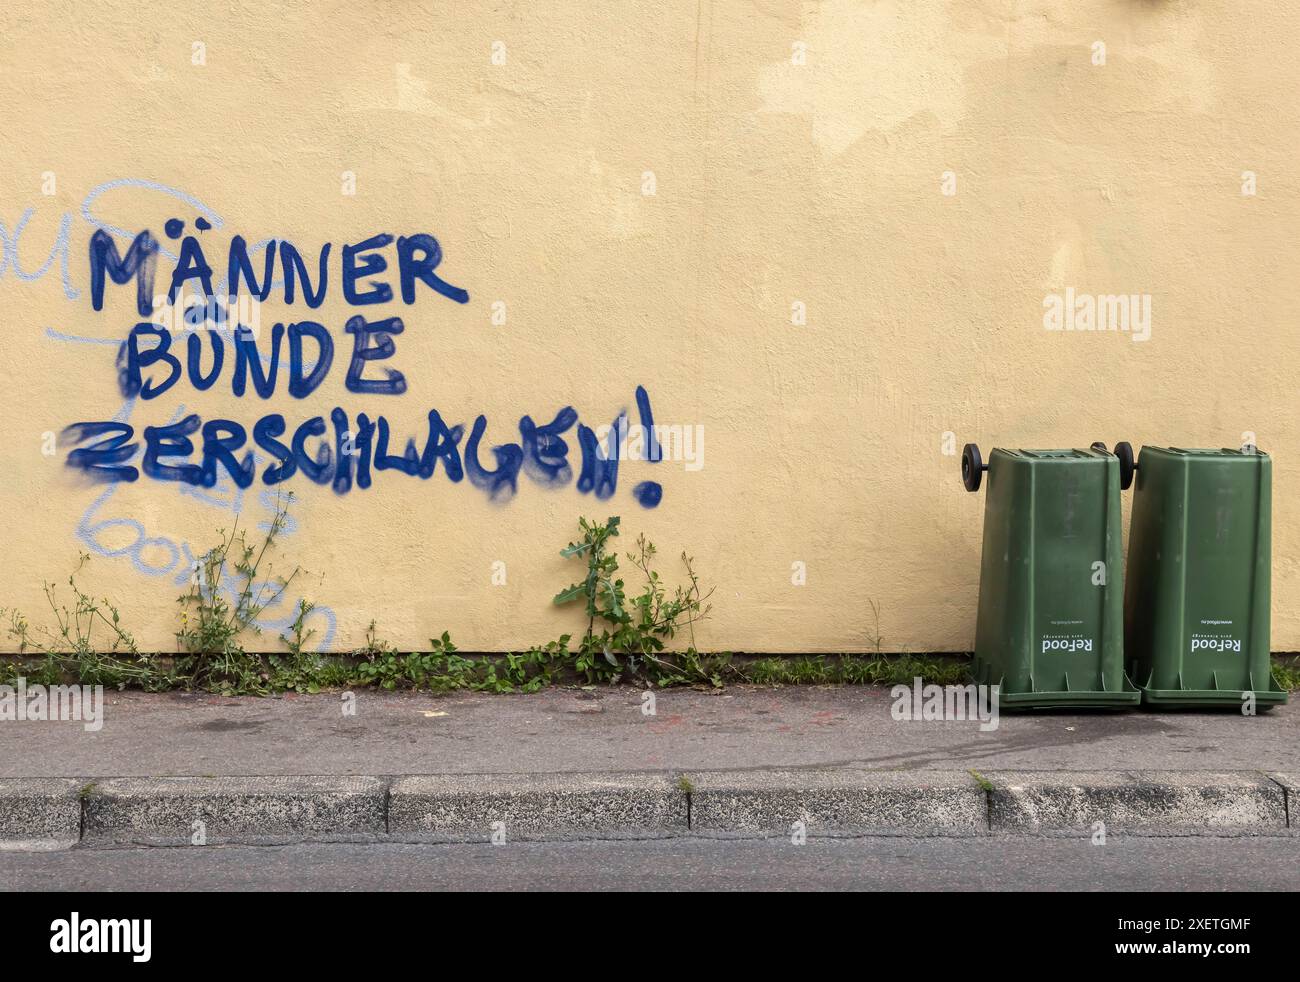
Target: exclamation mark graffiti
x,y
648,493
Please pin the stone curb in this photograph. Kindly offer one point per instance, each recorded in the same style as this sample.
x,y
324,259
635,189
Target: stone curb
x,y
40,813
536,806
1136,803
845,802
185,810
44,813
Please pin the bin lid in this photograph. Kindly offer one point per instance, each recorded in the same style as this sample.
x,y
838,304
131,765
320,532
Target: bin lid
x,y
1053,454
1208,452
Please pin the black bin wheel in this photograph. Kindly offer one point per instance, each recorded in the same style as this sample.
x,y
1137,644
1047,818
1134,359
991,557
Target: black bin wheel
x,y
972,467
1099,446
1124,451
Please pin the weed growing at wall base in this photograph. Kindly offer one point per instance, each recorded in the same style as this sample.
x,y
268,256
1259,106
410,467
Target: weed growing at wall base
x,y
846,669
1286,669
88,642
625,640
631,640
225,599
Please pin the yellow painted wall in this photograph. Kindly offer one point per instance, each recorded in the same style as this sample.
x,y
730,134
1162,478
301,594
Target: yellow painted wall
x,y
798,154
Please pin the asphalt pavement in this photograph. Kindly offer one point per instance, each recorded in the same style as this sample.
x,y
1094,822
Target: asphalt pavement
x,y
608,729
681,864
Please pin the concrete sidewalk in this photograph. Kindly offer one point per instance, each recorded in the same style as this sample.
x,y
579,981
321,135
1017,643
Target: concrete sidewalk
x,y
567,763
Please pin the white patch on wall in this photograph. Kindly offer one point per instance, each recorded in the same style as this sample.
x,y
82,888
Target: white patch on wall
x,y
872,67
875,68
1067,266
413,97
616,197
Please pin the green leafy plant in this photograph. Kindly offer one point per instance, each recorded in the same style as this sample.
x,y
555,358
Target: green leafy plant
x,y
633,632
300,670
879,669
228,593
1286,669
379,664
299,634
439,669
627,638
539,666
87,643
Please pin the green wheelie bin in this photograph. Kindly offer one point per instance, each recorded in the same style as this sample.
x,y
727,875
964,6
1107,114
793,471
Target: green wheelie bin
x,y
1196,604
1050,629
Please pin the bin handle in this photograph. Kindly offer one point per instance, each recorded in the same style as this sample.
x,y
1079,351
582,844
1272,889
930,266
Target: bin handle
x,y
1127,465
972,467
